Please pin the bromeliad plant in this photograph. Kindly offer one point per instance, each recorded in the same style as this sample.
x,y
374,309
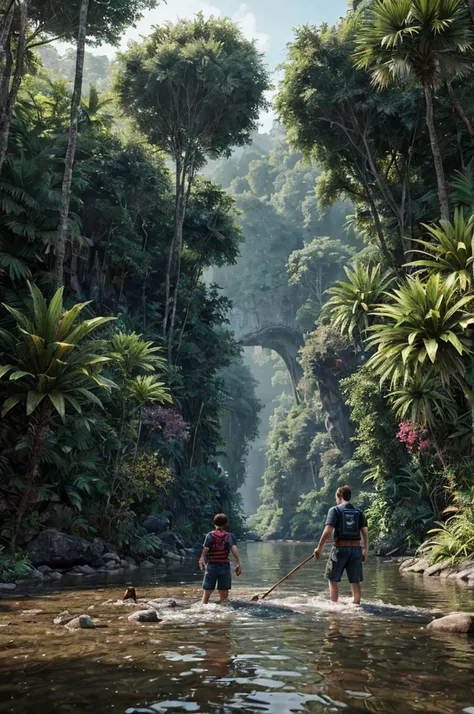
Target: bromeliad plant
x,y
52,367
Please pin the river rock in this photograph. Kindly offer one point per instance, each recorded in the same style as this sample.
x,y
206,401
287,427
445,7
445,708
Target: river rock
x,y
45,569
54,575
111,557
63,618
144,616
173,556
87,570
146,564
172,539
61,550
419,566
408,563
33,612
112,565
83,622
460,623
437,569
156,523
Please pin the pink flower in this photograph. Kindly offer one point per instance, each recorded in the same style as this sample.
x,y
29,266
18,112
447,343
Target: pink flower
x,y
168,421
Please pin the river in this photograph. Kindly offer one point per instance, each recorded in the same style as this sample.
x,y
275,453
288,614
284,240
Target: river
x,y
298,654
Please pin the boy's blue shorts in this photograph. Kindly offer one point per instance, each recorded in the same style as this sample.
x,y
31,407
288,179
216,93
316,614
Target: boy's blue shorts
x,y
345,558
217,574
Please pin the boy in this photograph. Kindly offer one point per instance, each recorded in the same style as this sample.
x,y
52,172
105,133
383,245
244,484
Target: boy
x,y
348,525
214,559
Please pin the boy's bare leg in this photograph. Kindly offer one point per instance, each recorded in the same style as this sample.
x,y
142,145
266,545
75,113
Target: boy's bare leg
x,y
333,591
355,593
205,596
223,595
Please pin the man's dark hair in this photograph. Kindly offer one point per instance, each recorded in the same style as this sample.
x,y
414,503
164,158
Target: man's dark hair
x,y
344,492
221,520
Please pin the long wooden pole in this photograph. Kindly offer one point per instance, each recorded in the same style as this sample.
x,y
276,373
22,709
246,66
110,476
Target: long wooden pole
x,y
287,576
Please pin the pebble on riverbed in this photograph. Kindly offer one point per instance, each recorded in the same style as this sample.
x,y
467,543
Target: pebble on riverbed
x,y
459,623
83,622
144,616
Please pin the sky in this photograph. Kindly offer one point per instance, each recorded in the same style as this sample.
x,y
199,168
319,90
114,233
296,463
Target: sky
x,y
269,22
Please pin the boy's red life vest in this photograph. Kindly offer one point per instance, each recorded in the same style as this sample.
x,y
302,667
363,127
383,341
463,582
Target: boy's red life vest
x,y
220,547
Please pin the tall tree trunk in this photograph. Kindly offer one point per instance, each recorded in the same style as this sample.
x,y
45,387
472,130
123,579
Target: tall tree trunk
x,y
438,161
458,107
179,189
71,148
38,438
6,27
10,89
470,4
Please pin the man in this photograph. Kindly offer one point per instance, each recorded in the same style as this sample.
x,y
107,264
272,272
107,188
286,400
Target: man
x,y
348,524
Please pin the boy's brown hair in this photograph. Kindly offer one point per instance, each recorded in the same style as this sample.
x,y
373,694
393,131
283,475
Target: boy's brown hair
x,y
221,520
344,492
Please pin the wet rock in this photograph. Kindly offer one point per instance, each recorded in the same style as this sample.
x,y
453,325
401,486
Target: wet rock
x,y
83,622
111,557
60,550
33,612
7,586
63,618
173,540
146,564
144,616
36,575
112,565
86,570
131,562
156,523
124,563
172,556
54,575
407,563
419,566
437,569
44,569
460,623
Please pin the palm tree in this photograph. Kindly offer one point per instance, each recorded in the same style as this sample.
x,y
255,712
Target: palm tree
x,y
450,251
353,301
422,329
52,367
428,42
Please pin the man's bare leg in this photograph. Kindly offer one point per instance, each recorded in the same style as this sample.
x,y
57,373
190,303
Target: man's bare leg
x,y
223,595
205,596
355,593
333,591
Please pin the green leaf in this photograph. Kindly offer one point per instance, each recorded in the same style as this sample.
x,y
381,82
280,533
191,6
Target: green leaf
x,y
32,401
58,403
19,374
10,403
431,347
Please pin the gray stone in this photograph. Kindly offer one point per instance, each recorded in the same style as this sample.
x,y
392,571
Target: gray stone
x,y
144,616
60,550
437,569
124,563
460,623
44,569
87,570
63,618
408,563
111,557
83,622
36,575
172,539
418,567
146,564
54,575
33,612
156,523
466,574
7,586
112,565
172,556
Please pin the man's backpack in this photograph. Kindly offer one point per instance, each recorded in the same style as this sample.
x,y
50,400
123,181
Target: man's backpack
x,y
349,523
220,547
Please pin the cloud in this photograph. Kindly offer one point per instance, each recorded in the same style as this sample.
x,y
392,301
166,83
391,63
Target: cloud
x,y
247,22
175,9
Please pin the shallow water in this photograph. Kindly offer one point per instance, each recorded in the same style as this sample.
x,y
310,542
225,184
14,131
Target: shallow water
x,y
293,653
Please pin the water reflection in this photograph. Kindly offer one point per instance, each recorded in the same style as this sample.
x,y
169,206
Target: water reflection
x,y
310,656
